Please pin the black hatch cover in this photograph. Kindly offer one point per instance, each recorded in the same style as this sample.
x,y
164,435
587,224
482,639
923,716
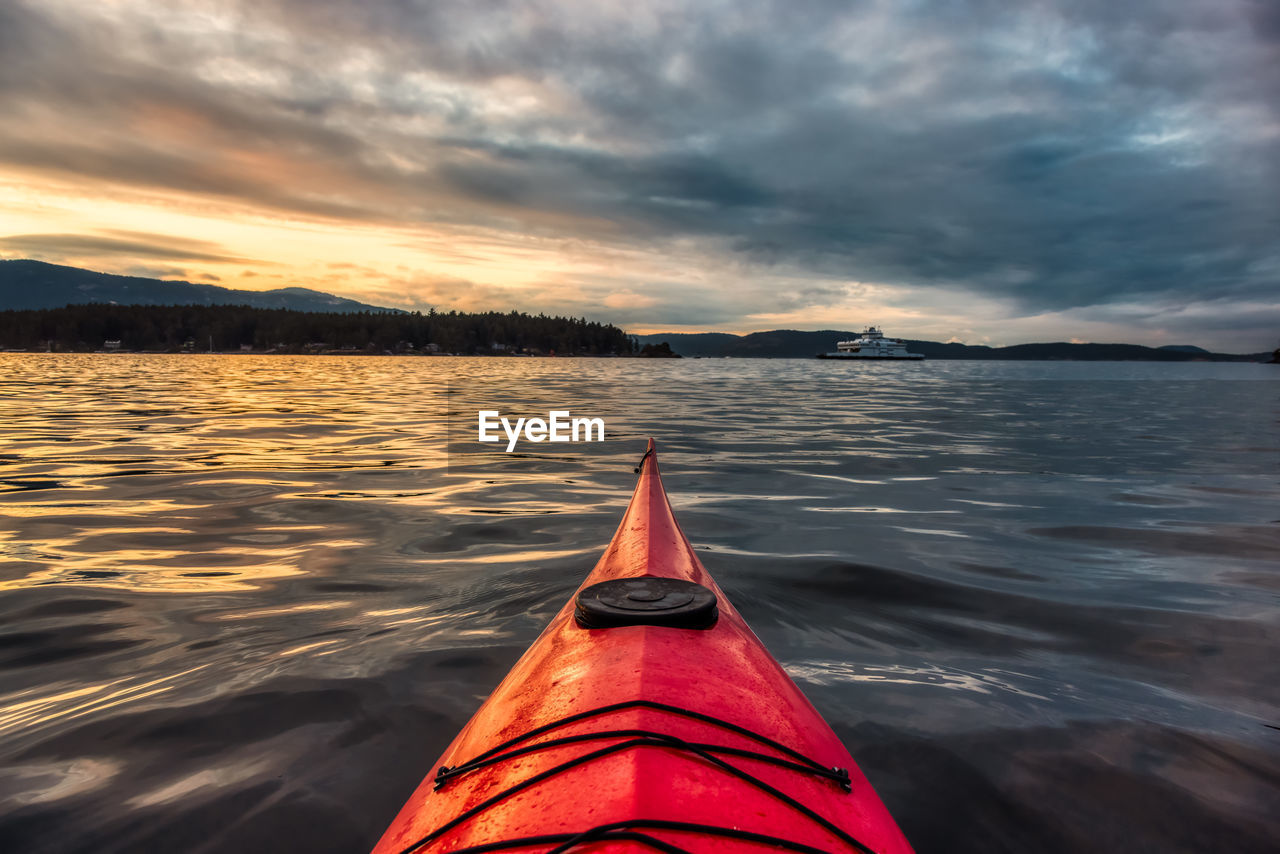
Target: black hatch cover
x,y
646,601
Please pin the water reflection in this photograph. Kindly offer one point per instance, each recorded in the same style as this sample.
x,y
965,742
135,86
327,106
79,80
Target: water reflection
x,y
247,596
987,682
50,709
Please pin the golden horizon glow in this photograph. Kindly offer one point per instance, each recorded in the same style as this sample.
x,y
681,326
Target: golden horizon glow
x,y
607,163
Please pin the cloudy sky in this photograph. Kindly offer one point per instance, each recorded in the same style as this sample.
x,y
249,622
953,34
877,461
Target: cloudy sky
x,y
971,170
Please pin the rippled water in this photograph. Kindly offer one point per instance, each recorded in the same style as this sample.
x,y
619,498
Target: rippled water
x,y
246,601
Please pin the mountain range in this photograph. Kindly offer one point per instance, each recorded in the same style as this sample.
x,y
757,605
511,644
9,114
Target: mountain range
x,y
792,343
30,284
27,284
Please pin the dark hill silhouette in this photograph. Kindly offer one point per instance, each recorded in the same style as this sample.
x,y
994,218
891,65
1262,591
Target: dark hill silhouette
x,y
26,284
792,343
174,328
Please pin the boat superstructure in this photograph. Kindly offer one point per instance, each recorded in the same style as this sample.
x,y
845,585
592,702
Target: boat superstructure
x,y
871,344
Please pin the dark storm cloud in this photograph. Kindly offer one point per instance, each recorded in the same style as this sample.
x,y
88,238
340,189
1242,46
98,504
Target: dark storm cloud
x,y
125,244
1053,155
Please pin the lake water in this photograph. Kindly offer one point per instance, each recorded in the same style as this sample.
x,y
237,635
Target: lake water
x,y
246,601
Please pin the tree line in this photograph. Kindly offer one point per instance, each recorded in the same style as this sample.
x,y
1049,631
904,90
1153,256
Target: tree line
x,y
174,328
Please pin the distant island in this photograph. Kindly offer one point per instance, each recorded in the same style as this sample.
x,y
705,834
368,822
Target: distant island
x,y
239,328
792,343
50,307
25,283
55,307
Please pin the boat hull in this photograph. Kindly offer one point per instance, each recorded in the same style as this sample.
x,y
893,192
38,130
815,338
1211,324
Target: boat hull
x,y
723,672
912,357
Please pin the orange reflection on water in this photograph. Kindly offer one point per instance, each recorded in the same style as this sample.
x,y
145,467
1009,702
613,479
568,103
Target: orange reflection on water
x,y
45,782
140,509
31,714
219,777
308,648
510,556
152,571
265,613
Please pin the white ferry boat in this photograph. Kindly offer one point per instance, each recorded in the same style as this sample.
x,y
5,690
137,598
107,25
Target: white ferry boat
x,y
871,344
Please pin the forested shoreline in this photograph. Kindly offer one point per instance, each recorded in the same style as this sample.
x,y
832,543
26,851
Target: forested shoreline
x,y
222,328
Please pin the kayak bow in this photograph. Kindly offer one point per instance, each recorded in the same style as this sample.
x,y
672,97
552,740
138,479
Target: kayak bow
x,y
647,716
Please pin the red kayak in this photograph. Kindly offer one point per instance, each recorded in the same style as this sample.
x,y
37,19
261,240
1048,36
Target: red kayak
x,y
647,717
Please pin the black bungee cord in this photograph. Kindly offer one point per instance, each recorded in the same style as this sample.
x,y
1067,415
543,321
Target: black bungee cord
x,y
638,739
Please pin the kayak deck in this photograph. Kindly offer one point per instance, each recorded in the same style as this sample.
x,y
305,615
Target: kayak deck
x,y
646,737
